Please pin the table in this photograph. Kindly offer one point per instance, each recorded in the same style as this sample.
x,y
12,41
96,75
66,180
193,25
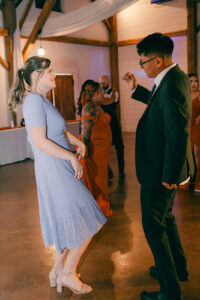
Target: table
x,y
14,145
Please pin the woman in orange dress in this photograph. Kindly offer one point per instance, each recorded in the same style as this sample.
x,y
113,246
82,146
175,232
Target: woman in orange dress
x,y
195,133
195,127
97,137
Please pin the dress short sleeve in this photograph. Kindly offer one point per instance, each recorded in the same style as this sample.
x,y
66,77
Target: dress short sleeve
x,y
34,111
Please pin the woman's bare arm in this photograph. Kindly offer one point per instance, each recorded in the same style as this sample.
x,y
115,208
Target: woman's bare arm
x,y
44,144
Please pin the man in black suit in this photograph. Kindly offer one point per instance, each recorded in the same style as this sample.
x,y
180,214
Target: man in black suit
x,y
163,158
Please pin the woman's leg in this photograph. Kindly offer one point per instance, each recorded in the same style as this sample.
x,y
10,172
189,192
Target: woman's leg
x,y
69,277
59,261
57,268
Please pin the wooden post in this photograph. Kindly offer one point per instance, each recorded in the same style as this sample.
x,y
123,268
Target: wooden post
x,y
114,63
191,37
114,69
9,19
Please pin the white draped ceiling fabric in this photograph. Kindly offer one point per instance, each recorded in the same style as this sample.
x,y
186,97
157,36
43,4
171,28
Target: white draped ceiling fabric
x,y
80,18
69,23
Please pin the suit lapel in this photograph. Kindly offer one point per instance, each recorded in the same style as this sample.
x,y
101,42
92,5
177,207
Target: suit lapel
x,y
158,88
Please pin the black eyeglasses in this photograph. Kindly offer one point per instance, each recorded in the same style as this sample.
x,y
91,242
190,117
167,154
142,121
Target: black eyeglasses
x,y
141,63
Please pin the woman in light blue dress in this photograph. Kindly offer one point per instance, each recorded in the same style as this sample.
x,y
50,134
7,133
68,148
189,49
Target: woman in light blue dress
x,y
69,215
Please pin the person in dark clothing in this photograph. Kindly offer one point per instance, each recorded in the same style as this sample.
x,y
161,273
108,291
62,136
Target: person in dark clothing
x,y
163,158
111,100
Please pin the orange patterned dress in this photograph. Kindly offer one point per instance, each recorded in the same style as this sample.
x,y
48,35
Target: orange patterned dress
x,y
195,136
95,174
194,140
195,128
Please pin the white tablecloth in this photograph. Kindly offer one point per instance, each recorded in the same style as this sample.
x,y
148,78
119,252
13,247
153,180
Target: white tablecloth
x,y
14,146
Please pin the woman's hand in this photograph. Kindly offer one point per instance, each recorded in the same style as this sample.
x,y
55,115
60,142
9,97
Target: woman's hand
x,y
170,186
80,151
130,81
78,168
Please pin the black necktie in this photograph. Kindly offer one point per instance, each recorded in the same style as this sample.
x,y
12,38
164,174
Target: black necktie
x,y
152,92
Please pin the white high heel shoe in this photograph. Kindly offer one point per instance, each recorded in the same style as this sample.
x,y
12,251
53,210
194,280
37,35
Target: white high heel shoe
x,y
62,282
53,276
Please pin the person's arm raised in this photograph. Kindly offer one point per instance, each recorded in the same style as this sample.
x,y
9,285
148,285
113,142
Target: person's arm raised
x,y
139,92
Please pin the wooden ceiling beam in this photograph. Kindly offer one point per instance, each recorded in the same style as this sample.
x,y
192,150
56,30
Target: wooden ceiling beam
x,y
4,63
136,41
107,24
106,21
25,13
72,40
17,3
3,32
38,26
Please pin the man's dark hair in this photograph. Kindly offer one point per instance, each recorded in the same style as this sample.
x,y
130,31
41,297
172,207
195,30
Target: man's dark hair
x,y
192,74
87,82
155,43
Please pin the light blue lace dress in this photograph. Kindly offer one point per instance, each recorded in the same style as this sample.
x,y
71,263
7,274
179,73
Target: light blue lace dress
x,y
69,215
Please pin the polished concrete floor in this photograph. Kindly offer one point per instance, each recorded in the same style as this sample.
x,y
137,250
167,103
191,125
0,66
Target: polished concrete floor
x,y
117,260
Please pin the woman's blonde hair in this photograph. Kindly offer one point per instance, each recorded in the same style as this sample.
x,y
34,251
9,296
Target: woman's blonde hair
x,y
23,79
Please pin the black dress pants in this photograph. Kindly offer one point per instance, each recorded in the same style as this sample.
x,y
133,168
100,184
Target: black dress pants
x,y
118,142
162,235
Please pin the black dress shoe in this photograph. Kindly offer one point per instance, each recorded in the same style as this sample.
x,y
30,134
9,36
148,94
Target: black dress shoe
x,y
158,296
182,276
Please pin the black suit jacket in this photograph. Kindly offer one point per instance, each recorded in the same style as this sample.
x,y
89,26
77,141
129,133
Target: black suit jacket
x,y
163,151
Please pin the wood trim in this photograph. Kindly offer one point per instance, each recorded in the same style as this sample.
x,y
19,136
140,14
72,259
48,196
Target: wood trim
x,y
3,32
17,3
4,63
72,40
38,26
136,41
107,24
114,61
9,19
191,37
25,13
106,21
